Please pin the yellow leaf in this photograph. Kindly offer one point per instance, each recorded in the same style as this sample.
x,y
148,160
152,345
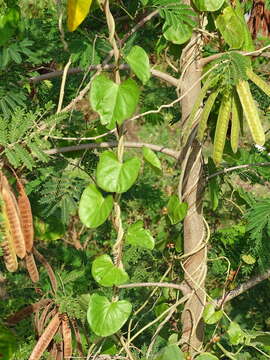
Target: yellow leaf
x,y
77,11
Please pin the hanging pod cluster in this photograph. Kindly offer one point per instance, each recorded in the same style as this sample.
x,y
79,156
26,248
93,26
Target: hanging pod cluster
x,y
236,102
17,228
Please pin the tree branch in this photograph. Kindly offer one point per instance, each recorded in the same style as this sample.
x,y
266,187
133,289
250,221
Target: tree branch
x,y
244,166
113,144
181,287
243,287
109,67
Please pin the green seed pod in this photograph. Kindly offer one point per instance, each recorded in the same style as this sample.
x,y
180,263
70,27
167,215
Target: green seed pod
x,y
222,127
251,112
236,117
205,114
258,81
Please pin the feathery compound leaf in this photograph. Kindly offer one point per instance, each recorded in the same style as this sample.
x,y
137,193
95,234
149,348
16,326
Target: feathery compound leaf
x,y
24,156
45,338
26,216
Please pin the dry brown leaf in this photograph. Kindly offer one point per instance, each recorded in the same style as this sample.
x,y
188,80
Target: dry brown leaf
x,y
45,338
32,267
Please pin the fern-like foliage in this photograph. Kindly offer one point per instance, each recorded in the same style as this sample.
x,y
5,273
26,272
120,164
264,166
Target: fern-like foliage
x,y
230,68
258,224
59,192
174,13
23,136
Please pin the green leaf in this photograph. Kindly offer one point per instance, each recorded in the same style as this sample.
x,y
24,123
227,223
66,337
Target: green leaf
x,y
235,333
94,209
113,176
177,34
170,352
248,259
206,356
208,5
176,210
7,343
114,102
139,62
210,316
231,28
151,158
106,273
138,236
106,318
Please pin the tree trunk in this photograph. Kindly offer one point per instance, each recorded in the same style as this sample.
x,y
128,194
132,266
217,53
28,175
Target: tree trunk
x,y
191,191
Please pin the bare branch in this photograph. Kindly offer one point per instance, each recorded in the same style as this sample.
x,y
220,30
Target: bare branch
x,y
181,287
243,287
244,166
109,67
113,144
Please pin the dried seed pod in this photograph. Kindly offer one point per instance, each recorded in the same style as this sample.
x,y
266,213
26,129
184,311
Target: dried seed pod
x,y
41,321
12,219
48,267
26,216
67,339
10,257
45,338
32,267
26,311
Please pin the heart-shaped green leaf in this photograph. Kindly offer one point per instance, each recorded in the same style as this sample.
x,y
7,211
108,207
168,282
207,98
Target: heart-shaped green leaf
x,y
235,333
152,158
176,210
206,356
114,102
170,352
231,28
94,209
138,236
139,63
208,5
106,273
210,316
177,34
113,176
106,318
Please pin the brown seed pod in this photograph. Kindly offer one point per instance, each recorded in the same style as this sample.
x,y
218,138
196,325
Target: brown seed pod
x,y
26,216
10,257
41,321
45,338
32,267
26,311
67,339
12,219
48,267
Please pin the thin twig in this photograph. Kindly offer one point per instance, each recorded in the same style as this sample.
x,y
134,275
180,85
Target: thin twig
x,y
180,287
244,166
82,138
113,144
